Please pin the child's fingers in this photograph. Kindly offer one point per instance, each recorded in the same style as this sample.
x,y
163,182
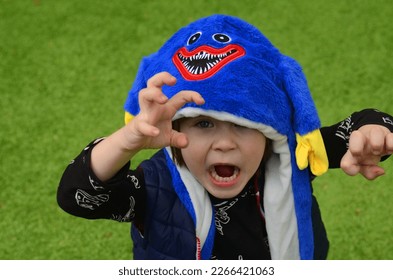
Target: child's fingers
x,y
376,141
178,140
371,172
153,93
147,96
366,146
389,143
146,129
357,143
185,96
349,164
161,79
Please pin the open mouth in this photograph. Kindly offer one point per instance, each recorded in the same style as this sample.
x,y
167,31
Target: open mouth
x,y
205,61
224,173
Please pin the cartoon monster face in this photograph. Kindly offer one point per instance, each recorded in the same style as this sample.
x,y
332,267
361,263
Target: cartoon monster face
x,y
228,61
204,61
232,65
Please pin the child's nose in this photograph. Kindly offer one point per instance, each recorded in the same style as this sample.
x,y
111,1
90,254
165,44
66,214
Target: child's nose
x,y
224,141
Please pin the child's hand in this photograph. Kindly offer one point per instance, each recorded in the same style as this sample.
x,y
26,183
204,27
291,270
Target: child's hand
x,y
366,147
152,127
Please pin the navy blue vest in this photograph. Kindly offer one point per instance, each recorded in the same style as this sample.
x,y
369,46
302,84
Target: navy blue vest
x,y
169,231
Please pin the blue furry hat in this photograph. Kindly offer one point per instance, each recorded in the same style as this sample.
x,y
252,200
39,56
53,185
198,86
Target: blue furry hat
x,y
244,79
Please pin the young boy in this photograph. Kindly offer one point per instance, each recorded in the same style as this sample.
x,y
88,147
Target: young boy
x,y
239,137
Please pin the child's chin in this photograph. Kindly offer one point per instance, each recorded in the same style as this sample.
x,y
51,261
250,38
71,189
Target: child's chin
x,y
225,192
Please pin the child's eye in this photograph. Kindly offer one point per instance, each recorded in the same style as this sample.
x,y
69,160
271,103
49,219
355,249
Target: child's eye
x,y
238,126
204,124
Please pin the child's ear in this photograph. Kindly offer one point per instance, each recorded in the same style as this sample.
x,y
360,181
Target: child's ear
x,y
310,148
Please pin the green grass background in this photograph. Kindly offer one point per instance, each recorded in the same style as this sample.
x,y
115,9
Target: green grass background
x,y
66,67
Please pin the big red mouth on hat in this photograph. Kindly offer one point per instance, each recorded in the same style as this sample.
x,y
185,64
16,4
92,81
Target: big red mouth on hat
x,y
205,61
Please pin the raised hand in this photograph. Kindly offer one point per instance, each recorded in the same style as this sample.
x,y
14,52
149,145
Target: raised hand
x,y
152,127
366,147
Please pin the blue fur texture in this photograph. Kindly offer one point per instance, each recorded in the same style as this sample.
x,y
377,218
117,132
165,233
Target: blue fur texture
x,y
263,85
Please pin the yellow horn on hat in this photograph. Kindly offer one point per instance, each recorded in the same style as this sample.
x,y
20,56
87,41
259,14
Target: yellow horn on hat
x,y
128,117
311,150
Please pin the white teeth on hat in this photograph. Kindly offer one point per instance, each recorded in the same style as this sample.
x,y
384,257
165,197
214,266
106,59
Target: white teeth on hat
x,y
203,61
219,178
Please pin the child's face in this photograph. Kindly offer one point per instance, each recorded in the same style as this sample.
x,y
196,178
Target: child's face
x,y
221,155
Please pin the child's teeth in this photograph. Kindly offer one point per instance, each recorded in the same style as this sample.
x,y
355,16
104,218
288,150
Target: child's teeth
x,y
224,179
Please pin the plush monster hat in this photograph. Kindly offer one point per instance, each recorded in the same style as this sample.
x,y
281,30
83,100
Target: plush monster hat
x,y
244,79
